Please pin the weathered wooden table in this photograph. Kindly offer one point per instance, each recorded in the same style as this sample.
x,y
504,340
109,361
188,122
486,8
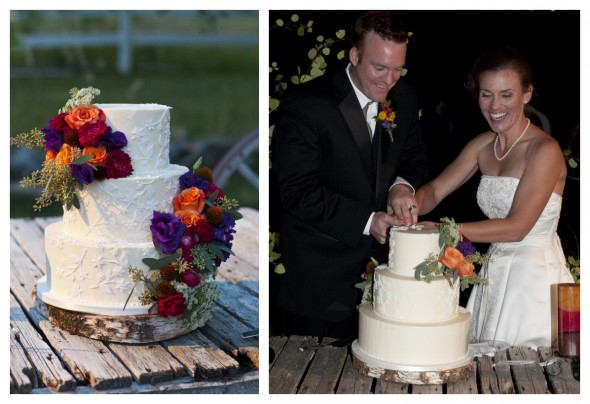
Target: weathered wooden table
x,y
301,365
216,358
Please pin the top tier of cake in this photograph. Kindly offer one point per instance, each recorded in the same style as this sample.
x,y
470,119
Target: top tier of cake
x,y
410,246
147,129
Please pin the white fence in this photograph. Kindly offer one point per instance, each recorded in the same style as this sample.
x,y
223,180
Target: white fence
x,y
125,38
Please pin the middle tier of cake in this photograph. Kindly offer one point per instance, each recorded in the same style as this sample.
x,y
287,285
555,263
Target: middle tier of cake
x,y
122,208
405,299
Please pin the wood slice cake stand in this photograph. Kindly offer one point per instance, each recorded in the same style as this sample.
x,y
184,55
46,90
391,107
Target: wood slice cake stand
x,y
440,374
138,328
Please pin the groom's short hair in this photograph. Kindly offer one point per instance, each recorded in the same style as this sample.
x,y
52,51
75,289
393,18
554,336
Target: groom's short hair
x,y
383,23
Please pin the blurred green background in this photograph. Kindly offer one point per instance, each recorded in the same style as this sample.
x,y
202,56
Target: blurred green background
x,y
204,64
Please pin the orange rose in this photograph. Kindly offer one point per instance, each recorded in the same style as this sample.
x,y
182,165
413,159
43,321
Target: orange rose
x,y
451,258
50,155
65,154
82,115
188,217
466,269
190,199
99,153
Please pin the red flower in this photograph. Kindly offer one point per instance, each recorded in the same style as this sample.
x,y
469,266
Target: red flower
x,y
118,164
58,122
187,242
190,278
172,305
204,230
91,133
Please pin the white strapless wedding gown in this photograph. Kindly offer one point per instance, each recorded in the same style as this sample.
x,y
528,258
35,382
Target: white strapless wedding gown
x,y
515,306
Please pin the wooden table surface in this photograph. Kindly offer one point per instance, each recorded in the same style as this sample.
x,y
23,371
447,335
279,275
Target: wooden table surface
x,y
301,365
213,359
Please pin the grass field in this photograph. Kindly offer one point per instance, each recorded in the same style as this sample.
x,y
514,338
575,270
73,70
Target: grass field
x,y
213,92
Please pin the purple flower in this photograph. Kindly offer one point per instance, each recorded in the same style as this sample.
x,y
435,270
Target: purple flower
x,y
189,180
167,230
113,140
52,139
465,247
83,173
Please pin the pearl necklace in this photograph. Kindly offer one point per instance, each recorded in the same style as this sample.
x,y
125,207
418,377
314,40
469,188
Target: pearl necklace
x,y
513,144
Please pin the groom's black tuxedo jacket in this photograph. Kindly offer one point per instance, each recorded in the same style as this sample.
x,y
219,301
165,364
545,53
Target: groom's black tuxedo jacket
x,y
329,186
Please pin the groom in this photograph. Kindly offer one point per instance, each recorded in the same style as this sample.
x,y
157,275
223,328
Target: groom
x,y
342,180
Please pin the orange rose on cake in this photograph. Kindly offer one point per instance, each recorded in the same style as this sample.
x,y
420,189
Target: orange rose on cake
x,y
190,199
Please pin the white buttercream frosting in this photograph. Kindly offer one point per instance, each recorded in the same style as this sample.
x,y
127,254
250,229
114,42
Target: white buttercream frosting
x,y
90,251
147,129
413,322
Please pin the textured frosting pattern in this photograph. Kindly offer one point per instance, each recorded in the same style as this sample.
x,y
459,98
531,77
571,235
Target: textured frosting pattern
x,y
413,344
409,247
90,251
147,129
122,208
407,300
413,322
91,275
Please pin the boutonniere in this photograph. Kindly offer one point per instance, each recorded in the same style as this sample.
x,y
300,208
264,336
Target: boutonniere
x,y
386,117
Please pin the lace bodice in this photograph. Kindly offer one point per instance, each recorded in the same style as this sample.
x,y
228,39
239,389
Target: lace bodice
x,y
495,195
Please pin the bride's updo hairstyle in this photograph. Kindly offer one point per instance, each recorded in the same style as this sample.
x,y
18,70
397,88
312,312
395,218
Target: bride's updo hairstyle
x,y
496,59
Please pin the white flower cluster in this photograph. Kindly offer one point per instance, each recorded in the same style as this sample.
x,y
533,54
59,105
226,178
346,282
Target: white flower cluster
x,y
80,97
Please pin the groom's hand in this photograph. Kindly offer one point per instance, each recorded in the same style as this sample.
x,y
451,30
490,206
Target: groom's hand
x,y
402,204
380,225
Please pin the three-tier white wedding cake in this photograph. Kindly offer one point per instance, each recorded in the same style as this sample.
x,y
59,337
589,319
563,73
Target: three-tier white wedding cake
x,y
90,251
412,326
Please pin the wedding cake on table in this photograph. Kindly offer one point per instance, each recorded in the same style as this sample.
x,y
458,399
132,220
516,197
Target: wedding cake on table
x,y
135,257
413,329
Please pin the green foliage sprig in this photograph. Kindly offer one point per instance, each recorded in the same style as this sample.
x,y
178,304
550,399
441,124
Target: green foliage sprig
x,y
456,259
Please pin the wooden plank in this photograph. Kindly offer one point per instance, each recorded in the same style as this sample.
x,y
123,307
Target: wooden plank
x,y
148,363
291,365
22,373
560,375
24,275
236,270
467,386
503,374
427,389
89,360
383,386
226,331
200,356
245,243
47,365
277,343
239,302
353,382
244,383
325,369
528,379
30,237
487,377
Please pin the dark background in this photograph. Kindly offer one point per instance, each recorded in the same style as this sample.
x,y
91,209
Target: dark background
x,y
443,47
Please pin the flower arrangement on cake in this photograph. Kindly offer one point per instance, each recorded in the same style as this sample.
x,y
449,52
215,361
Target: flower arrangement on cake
x,y
456,259
192,242
80,148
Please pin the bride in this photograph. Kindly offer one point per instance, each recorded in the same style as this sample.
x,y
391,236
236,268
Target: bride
x,y
520,191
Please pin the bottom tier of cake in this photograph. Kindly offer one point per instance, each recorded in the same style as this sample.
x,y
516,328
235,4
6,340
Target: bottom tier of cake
x,y
411,344
91,276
